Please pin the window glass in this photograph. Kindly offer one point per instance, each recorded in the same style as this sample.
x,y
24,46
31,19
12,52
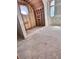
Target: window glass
x,y
24,10
52,10
52,3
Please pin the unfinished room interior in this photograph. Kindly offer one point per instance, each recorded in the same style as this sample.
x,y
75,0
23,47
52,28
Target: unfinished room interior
x,y
39,29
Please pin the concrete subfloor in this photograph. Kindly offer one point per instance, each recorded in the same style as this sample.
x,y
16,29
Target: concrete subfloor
x,y
33,29
44,44
29,32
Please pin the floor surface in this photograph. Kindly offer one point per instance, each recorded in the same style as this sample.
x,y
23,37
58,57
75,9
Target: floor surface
x,y
44,44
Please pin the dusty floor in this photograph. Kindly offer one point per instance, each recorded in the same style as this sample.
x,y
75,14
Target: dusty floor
x,y
32,30
45,44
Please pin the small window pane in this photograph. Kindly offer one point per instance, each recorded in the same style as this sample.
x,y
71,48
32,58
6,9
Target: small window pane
x,y
24,10
52,3
52,10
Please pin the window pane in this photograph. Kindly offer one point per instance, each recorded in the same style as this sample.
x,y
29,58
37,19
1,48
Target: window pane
x,y
52,11
24,10
52,3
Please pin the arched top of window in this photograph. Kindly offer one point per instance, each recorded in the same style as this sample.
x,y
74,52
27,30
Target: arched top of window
x,y
24,9
52,3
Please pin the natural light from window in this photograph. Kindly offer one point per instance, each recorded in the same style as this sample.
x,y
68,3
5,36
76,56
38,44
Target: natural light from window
x,y
24,10
52,3
52,8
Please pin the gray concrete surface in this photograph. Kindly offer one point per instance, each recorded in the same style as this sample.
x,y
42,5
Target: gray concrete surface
x,y
45,44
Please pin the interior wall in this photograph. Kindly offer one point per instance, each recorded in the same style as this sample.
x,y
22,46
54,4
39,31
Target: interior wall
x,y
45,2
56,20
19,30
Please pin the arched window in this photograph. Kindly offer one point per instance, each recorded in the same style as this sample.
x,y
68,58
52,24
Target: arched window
x,y
52,8
24,9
